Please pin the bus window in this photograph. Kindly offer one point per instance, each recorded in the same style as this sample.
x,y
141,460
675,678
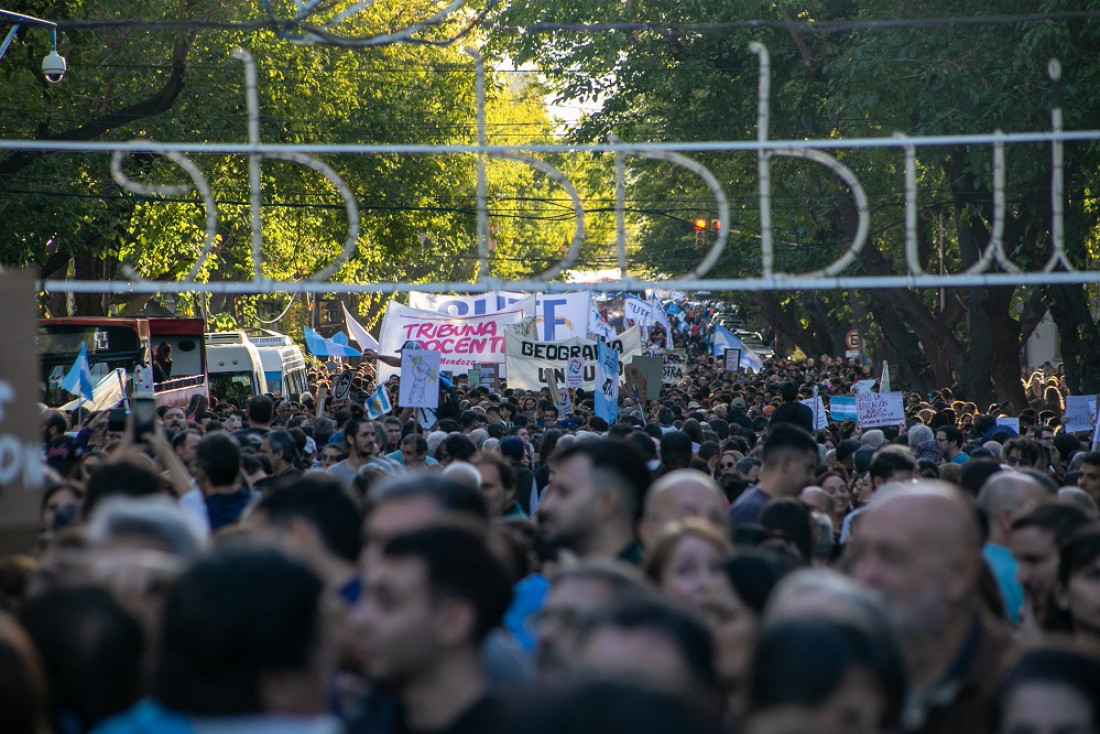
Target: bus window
x,y
236,386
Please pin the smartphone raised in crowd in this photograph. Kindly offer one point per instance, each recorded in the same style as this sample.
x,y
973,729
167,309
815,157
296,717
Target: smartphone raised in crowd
x,y
116,420
145,412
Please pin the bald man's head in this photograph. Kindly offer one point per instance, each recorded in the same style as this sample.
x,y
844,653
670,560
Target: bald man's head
x,y
920,548
679,494
1005,495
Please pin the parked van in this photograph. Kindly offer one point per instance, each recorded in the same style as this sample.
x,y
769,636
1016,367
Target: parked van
x,y
284,365
234,367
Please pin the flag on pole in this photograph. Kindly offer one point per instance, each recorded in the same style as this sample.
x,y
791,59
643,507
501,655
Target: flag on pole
x,y
79,379
723,338
598,326
607,383
378,404
337,346
661,317
361,336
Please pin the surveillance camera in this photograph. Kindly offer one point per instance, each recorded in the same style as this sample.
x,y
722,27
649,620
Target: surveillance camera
x,y
53,67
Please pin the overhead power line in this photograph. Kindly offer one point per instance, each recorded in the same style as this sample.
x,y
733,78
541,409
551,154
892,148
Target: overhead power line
x,y
801,26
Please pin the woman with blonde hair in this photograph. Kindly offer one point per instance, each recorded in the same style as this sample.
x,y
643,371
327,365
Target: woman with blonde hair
x,y
684,559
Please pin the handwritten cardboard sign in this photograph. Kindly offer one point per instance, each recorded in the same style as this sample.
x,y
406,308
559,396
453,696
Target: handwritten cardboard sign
x,y
877,409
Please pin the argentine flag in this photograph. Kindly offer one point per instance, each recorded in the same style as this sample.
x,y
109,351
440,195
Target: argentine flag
x,y
79,379
724,338
337,346
378,404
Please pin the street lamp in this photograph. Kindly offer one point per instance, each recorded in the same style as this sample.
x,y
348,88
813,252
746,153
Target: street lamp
x,y
53,65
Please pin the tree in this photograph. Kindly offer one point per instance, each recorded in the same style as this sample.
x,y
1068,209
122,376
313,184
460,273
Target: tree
x,y
658,82
418,212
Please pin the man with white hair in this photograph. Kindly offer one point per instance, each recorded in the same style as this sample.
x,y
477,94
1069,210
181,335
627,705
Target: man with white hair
x,y
873,438
918,434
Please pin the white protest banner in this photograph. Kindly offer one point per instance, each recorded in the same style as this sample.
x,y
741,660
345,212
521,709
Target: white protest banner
x,y
637,310
843,408
675,366
557,315
574,372
817,405
563,315
21,473
1080,410
463,341
419,379
1013,423
481,304
875,409
528,359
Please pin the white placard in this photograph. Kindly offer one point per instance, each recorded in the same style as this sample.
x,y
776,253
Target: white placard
x,y
419,379
875,409
1080,410
1013,423
574,372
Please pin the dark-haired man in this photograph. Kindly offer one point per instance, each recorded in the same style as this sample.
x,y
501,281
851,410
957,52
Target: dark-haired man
x,y
1088,478
950,440
594,500
432,597
315,519
790,460
361,438
220,669
498,487
218,474
281,448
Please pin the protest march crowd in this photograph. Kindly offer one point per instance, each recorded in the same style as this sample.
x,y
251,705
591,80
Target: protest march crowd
x,y
723,557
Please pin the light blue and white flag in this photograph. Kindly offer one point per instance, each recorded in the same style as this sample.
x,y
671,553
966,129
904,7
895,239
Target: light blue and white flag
x,y
723,338
337,346
79,379
378,404
607,383
598,327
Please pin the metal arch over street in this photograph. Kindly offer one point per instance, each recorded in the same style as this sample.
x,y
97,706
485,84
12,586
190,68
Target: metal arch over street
x,y
993,268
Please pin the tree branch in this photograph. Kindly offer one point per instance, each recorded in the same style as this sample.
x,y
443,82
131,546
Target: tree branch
x,y
161,101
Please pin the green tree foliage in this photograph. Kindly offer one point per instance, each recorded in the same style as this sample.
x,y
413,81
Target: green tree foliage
x,y
64,214
671,78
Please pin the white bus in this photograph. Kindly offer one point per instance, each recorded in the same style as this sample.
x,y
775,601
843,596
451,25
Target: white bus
x,y
234,367
283,362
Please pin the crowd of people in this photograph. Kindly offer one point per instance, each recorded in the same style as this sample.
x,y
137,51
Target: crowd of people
x,y
706,563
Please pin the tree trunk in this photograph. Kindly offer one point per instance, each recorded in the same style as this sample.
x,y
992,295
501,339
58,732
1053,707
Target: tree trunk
x,y
1079,335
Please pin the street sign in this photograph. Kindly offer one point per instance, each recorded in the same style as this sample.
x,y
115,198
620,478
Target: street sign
x,y
852,340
